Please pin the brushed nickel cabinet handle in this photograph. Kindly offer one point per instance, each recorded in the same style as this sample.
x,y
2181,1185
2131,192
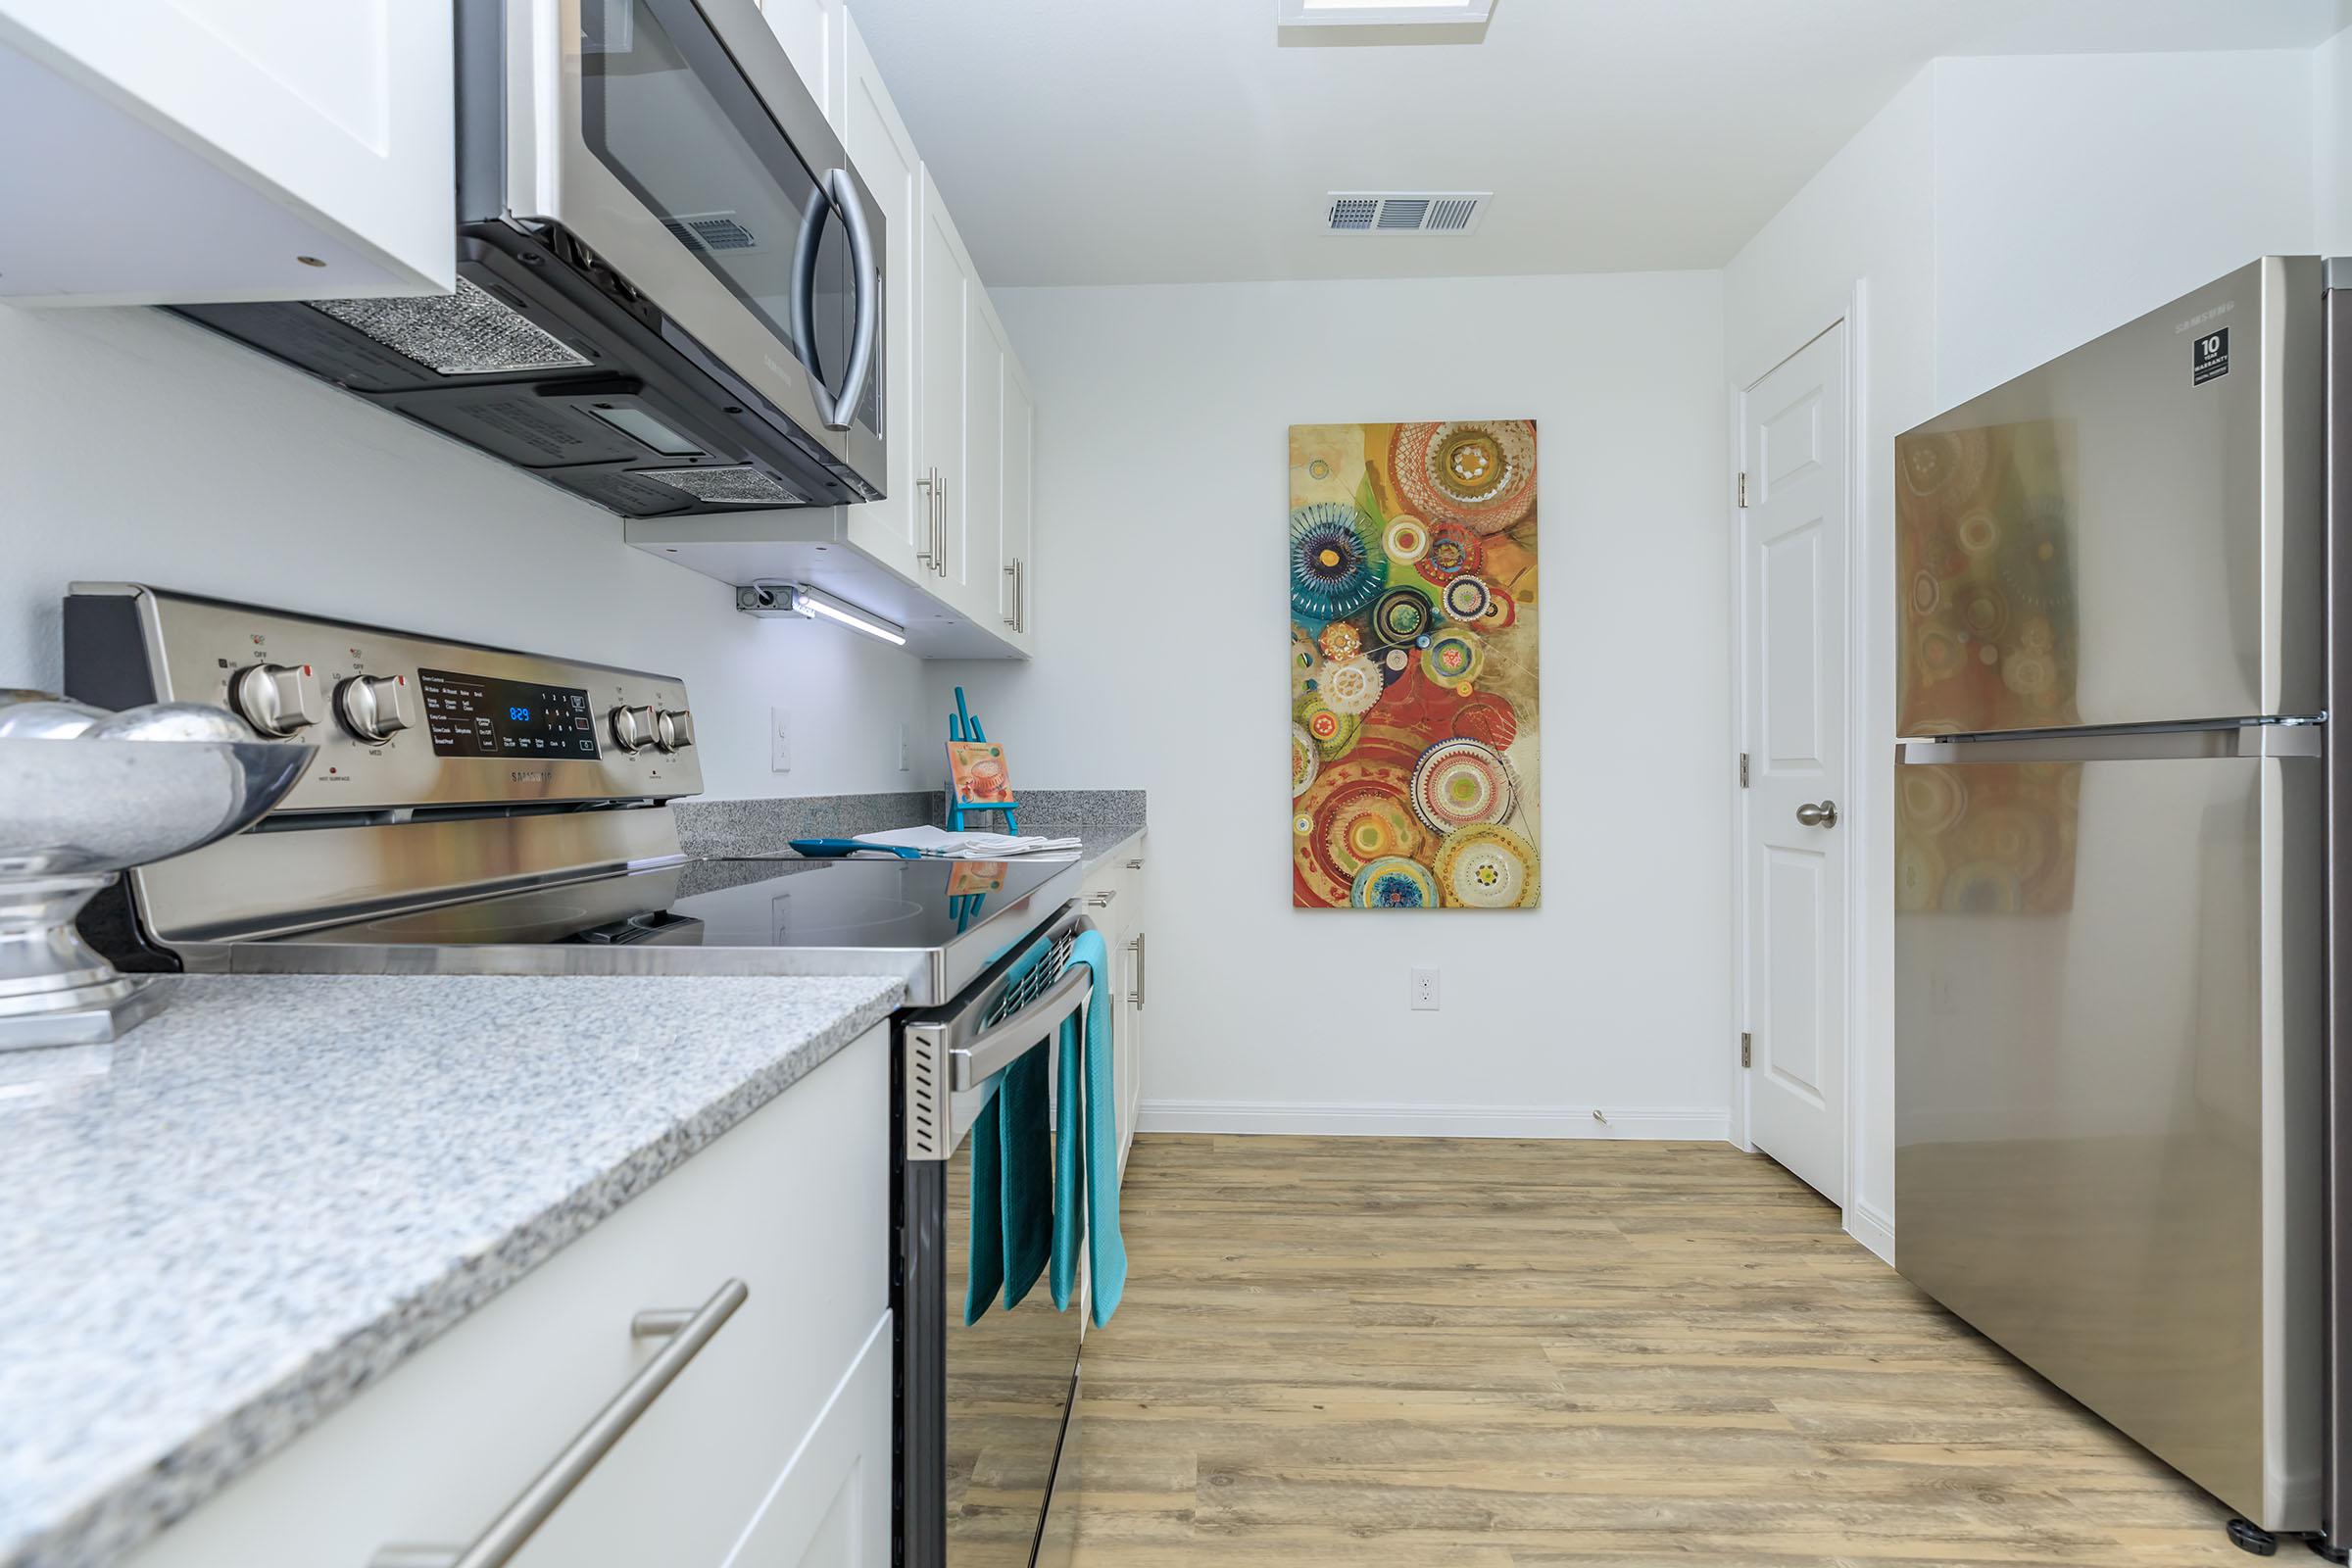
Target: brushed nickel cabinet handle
x,y
930,518
1823,815
1013,572
688,1333
1137,996
1101,901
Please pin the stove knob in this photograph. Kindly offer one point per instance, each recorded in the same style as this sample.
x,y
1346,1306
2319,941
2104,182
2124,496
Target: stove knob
x,y
277,699
373,707
673,729
632,728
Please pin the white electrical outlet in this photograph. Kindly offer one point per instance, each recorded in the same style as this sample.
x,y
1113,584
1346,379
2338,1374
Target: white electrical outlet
x,y
1425,990
903,766
779,740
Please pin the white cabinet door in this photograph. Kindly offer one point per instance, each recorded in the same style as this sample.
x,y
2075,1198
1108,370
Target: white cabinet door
x,y
830,1507
1017,592
948,288
815,40
211,150
440,1445
976,565
891,531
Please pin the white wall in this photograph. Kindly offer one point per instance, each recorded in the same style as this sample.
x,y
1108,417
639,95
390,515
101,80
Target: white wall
x,y
2074,192
1163,419
2331,129
141,447
1867,218
1998,211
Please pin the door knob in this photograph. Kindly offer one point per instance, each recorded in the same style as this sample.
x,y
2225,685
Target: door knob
x,y
1823,815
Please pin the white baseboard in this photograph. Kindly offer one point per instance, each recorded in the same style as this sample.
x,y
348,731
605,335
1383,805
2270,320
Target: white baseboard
x,y
1342,1119
1872,1229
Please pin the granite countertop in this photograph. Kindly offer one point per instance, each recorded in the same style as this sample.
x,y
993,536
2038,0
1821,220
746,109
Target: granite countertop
x,y
219,1229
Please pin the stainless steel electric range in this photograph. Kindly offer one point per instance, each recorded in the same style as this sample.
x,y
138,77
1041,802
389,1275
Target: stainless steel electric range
x,y
474,810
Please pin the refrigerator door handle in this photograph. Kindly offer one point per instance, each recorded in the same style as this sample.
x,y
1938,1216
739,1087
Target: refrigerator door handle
x,y
2299,737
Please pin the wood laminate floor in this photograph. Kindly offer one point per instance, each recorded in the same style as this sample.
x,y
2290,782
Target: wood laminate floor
x,y
1359,1352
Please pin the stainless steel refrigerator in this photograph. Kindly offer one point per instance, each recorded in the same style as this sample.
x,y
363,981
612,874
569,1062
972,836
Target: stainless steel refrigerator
x,y
2113,876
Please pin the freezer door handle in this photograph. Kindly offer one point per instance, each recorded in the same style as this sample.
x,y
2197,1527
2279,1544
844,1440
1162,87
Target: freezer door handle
x,y
2291,738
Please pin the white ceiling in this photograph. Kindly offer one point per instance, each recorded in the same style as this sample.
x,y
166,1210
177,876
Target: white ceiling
x,y
1126,141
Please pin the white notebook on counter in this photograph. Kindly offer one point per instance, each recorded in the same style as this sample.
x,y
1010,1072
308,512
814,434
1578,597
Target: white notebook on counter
x,y
972,846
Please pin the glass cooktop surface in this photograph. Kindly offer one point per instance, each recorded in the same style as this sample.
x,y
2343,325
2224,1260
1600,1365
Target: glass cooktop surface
x,y
793,904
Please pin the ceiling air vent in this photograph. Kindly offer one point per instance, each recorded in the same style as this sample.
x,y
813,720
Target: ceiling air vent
x,y
1368,211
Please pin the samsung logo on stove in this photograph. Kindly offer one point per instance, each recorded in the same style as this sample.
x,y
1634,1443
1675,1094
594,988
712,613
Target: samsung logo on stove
x,y
527,775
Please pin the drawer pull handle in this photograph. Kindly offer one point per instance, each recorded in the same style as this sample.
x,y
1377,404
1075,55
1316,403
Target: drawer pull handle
x,y
1101,901
687,1333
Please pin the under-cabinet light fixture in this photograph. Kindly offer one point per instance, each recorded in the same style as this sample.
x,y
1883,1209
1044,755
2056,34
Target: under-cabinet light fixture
x,y
772,598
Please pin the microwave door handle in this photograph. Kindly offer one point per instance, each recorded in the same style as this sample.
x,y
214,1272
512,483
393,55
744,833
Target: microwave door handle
x,y
844,186
803,299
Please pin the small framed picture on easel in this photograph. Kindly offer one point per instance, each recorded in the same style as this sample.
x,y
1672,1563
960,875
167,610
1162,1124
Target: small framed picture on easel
x,y
977,777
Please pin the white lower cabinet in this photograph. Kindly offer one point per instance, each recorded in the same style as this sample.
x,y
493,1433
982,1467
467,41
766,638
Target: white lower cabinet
x,y
794,1204
830,1507
1114,902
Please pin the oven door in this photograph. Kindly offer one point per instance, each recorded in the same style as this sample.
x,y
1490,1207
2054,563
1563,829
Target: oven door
x,y
983,1410
674,140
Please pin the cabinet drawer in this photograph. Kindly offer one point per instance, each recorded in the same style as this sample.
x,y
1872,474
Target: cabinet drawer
x,y
792,1202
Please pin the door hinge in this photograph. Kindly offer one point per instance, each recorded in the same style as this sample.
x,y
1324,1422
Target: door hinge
x,y
1743,770
1748,1048
1744,489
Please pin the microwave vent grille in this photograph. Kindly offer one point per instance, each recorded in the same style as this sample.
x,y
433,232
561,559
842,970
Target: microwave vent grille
x,y
471,332
712,232
1369,211
742,486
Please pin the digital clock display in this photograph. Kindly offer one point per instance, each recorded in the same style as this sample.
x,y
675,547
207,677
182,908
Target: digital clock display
x,y
483,716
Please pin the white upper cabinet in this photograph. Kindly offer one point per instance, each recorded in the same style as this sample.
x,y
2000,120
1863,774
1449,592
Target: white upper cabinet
x,y
893,530
943,335
221,149
1016,587
815,39
983,360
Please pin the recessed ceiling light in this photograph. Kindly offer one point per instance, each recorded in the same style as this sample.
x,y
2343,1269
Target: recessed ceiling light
x,y
1381,13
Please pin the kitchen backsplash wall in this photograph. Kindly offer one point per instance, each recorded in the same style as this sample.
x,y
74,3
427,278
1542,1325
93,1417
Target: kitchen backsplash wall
x,y
140,447
1161,510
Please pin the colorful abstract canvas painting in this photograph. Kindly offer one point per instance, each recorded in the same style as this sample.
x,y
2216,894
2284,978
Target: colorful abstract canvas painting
x,y
1413,729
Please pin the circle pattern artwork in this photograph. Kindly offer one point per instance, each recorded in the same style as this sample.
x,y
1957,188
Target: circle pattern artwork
x,y
1304,760
1402,614
1414,758
1487,867
1367,821
1453,551
1393,883
1480,474
1467,598
1406,539
1458,783
1336,567
1453,658
1351,686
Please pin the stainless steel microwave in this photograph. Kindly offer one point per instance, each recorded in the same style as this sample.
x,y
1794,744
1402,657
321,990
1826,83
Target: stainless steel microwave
x,y
670,289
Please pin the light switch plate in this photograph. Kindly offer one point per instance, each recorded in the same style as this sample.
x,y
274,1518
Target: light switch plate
x,y
903,758
779,740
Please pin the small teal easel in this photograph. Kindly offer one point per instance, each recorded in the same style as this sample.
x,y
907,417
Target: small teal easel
x,y
962,726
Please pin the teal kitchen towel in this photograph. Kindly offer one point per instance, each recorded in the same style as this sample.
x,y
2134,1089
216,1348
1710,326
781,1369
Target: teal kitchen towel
x,y
1013,1179
1086,1148
1013,1187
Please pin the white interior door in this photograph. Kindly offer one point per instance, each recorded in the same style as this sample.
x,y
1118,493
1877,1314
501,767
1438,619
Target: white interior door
x,y
1793,547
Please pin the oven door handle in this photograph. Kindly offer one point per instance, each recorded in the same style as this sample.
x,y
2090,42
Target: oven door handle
x,y
973,1064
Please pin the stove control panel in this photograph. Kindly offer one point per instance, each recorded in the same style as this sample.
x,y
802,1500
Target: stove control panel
x,y
403,720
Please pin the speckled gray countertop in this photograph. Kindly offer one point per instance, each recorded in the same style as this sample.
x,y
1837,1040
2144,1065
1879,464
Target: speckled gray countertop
x,y
215,1232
